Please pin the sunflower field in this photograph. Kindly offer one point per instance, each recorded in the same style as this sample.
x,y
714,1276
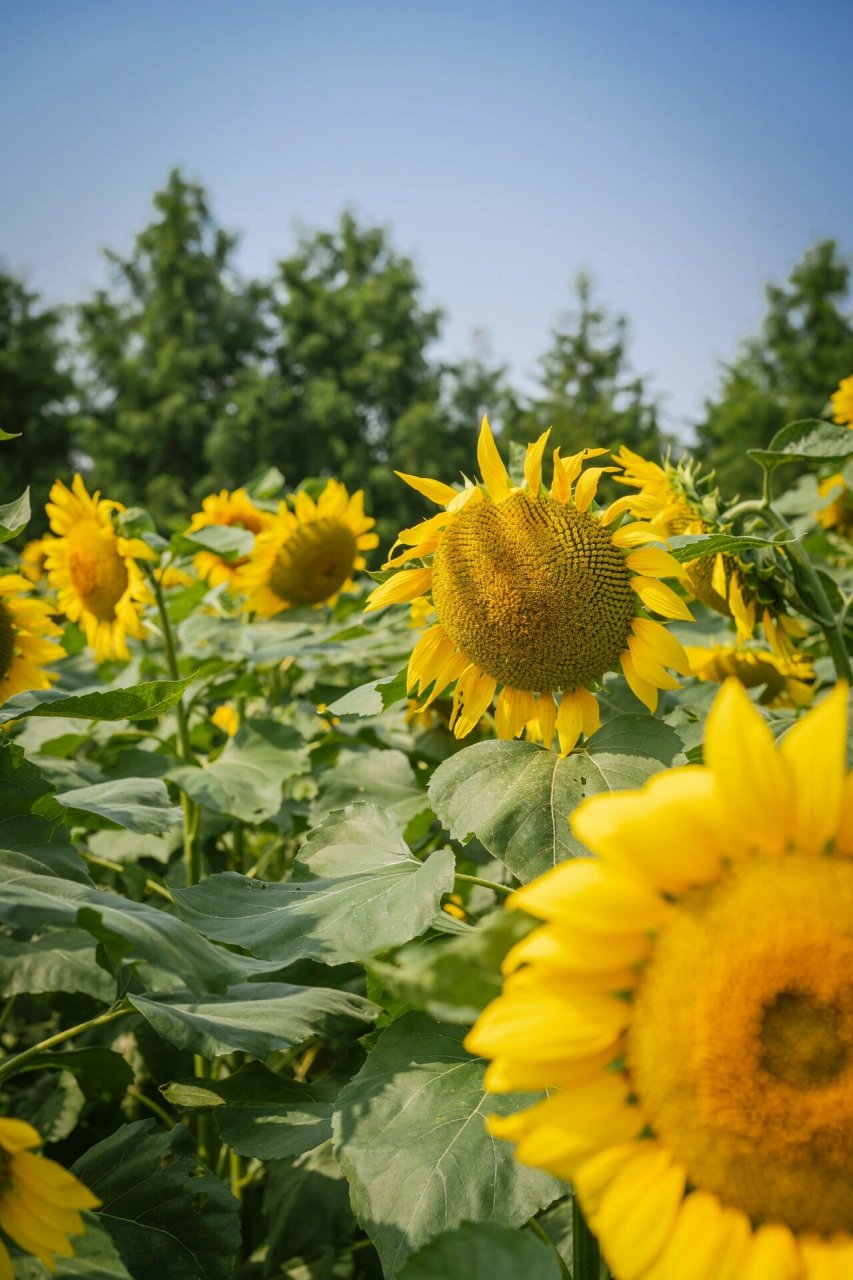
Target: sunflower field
x,y
266,793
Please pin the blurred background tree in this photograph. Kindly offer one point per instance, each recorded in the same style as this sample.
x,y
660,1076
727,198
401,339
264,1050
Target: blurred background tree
x,y
784,373
36,390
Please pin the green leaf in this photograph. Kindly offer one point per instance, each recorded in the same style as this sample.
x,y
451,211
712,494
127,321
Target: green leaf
x,y
482,1251
306,1204
259,1113
689,547
516,797
368,894
222,539
137,702
453,980
142,932
31,820
139,804
167,1217
60,960
253,1017
103,1073
9,435
811,440
95,1258
411,1138
373,698
14,516
245,781
381,777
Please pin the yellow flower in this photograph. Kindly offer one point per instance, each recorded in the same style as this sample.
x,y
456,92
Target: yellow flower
x,y
842,402
788,681
25,624
669,500
690,998
94,571
33,557
40,1202
534,592
838,512
227,719
421,613
229,509
308,555
170,576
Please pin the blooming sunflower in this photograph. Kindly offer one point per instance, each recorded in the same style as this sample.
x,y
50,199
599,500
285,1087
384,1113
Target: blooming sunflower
x,y
670,498
534,592
788,682
838,512
690,995
40,1202
33,556
94,571
309,554
229,509
227,718
25,625
842,402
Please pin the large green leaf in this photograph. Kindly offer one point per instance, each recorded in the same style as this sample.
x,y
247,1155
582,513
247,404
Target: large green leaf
x,y
139,931
169,1219
373,698
367,893
139,804
516,797
95,1258
61,960
31,820
259,1113
384,778
222,539
101,1072
14,516
253,1017
411,1138
811,440
137,702
483,1251
689,547
306,1205
245,781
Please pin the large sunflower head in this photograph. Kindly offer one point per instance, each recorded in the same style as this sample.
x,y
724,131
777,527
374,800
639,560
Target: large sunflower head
x,y
40,1202
25,647
842,402
93,569
230,509
535,594
310,551
676,498
788,682
690,998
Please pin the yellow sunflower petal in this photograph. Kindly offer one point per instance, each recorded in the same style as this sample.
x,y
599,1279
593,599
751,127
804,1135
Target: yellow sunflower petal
x,y
590,895
473,695
639,1210
815,750
17,1135
637,534
654,562
647,666
707,1242
546,711
408,584
569,722
533,462
661,599
438,492
587,486
513,709
646,692
6,1270
773,1255
662,645
492,468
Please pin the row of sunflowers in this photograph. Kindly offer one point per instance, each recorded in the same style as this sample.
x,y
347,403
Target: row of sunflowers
x,y
262,1003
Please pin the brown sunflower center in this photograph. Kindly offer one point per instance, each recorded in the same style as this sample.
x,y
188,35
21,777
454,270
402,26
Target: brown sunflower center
x,y
7,641
314,563
741,1044
98,573
534,592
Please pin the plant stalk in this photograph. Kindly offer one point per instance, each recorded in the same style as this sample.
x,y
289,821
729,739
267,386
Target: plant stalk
x,y
14,1064
586,1255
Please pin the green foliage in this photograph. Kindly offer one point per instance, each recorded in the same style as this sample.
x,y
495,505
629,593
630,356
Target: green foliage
x,y
483,1252
784,373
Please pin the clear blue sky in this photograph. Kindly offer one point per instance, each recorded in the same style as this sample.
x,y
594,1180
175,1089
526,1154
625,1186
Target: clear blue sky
x,y
683,152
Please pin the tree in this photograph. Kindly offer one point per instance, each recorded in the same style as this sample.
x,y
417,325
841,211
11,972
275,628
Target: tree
x,y
589,396
173,352
787,372
35,389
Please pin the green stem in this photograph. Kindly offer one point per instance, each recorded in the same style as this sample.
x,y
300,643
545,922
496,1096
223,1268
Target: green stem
x,y
539,1230
486,884
153,1106
14,1064
190,810
586,1255
150,884
203,1128
235,1171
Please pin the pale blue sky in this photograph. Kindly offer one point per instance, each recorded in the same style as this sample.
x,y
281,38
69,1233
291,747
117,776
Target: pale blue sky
x,y
684,153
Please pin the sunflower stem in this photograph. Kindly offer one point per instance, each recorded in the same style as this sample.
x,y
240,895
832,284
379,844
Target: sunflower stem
x,y
486,884
14,1064
586,1255
539,1230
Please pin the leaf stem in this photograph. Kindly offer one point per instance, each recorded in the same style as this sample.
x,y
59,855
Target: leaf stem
x,y
14,1064
108,865
539,1230
486,884
145,1101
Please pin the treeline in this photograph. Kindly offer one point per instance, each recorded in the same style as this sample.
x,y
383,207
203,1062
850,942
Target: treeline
x,y
182,376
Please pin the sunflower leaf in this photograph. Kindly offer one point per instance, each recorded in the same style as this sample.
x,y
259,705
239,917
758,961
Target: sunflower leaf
x,y
688,547
811,440
139,804
14,516
483,1251
136,702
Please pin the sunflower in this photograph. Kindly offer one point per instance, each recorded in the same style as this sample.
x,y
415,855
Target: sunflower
x,y
788,682
534,592
670,498
309,554
842,402
838,512
229,509
690,996
33,556
227,718
94,571
25,625
40,1202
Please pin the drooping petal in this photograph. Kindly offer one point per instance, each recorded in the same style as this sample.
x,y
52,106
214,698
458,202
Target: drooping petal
x,y
662,645
435,490
474,693
646,692
408,584
661,599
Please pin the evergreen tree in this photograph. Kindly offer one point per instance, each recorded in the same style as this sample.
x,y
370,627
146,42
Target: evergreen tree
x,y
35,388
172,351
787,372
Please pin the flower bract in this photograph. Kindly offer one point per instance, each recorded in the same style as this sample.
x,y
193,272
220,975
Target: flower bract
x,y
689,1000
536,598
26,647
